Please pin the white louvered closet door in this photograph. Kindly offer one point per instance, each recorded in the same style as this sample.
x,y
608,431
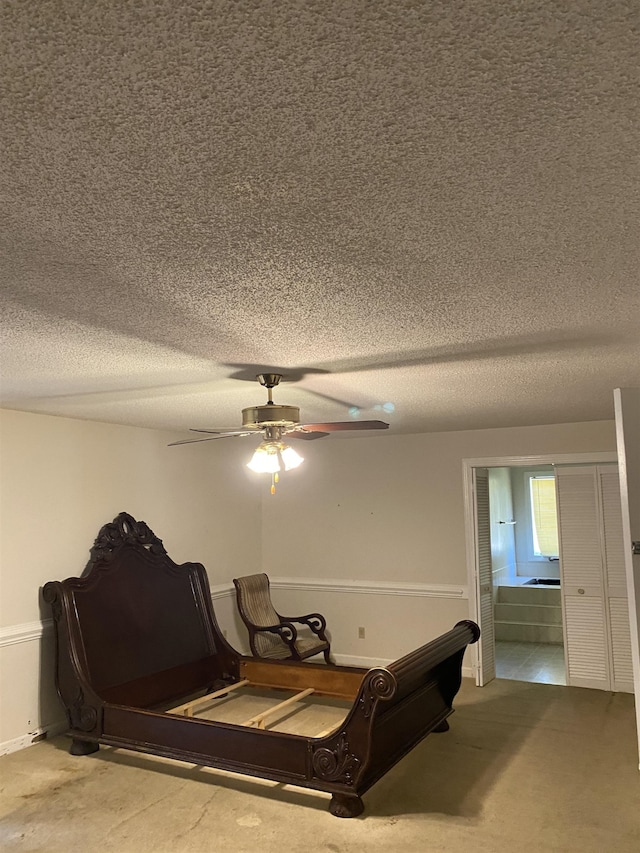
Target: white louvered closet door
x,y
615,579
583,593
486,643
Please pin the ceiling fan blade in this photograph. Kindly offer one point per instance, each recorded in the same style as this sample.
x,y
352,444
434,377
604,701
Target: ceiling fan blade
x,y
211,437
226,431
343,425
307,436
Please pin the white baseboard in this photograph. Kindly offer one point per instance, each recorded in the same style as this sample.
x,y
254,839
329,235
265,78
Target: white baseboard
x,y
366,663
29,739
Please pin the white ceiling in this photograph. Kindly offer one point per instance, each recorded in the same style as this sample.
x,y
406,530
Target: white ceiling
x,y
433,205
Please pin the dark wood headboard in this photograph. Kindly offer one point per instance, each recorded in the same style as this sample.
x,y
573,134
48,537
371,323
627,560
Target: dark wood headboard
x,y
136,614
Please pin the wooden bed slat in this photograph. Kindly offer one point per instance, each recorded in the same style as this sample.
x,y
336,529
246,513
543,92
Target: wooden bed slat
x,y
260,718
188,707
328,731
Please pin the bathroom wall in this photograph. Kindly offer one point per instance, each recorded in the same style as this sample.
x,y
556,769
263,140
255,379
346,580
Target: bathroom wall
x,y
503,551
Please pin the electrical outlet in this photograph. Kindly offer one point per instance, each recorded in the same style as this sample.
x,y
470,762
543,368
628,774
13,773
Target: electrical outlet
x,y
361,633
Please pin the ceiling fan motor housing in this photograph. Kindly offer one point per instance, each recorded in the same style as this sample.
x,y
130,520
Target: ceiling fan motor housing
x,y
270,415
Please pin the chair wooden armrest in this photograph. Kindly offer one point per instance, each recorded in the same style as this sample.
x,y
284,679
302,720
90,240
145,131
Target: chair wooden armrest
x,y
315,621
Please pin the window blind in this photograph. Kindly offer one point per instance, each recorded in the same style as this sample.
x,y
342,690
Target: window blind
x,y
544,517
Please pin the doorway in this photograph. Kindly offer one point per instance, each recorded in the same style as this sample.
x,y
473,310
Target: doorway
x,y
527,605
520,660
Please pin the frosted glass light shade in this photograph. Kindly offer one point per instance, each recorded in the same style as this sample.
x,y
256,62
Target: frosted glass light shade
x,y
271,456
265,459
290,458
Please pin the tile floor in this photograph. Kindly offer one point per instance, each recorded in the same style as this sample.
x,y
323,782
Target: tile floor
x,y
540,662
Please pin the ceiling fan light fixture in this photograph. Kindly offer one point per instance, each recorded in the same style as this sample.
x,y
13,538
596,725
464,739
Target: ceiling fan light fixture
x,y
270,457
265,459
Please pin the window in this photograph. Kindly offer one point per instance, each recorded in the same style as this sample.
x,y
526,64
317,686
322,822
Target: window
x,y
544,521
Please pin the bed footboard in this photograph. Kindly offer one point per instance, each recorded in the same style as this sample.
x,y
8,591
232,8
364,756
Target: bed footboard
x,y
396,708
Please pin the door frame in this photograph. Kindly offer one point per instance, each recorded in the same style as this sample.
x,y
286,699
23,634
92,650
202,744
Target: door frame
x,y
604,457
627,414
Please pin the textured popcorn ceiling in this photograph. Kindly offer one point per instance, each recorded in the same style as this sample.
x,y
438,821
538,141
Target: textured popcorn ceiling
x,y
434,205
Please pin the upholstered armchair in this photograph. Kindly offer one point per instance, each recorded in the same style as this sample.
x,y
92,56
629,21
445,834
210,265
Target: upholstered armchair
x,y
272,635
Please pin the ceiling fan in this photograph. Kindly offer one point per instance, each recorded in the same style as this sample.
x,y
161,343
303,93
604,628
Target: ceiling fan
x,y
275,422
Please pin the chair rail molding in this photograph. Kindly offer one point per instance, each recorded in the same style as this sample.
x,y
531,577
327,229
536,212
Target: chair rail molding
x,y
222,590
415,590
24,633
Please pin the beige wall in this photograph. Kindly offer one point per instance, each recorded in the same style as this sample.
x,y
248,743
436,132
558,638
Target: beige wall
x,y
503,546
392,507
379,511
60,481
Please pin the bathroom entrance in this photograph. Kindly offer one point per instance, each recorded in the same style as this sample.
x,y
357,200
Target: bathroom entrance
x,y
545,609
525,574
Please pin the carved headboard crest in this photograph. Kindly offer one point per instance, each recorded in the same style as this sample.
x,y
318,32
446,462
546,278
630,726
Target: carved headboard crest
x,y
124,529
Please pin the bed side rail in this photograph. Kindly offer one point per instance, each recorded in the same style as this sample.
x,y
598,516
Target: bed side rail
x,y
410,671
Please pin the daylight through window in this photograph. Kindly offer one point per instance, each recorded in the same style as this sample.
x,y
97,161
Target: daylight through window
x,y
544,522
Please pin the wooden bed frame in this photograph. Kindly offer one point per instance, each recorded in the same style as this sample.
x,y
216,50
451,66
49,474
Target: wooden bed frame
x,y
139,652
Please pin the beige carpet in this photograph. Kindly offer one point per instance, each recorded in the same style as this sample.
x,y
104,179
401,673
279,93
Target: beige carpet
x,y
525,767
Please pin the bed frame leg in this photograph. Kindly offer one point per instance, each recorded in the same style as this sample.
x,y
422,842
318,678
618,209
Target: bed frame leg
x,y
443,727
346,805
83,747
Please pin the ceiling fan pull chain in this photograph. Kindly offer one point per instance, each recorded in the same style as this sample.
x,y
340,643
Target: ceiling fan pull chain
x,y
275,478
